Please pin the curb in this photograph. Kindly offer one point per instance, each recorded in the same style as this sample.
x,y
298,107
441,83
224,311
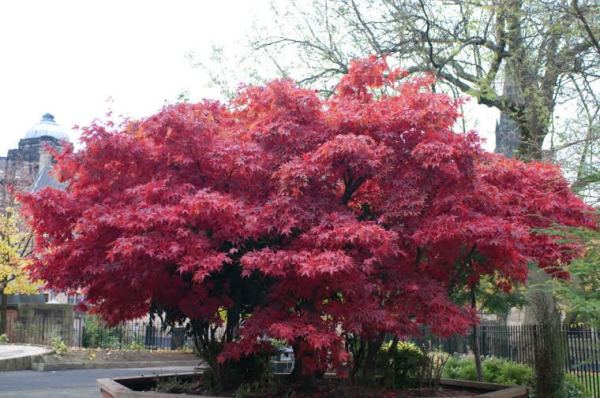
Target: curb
x,y
46,367
24,362
19,363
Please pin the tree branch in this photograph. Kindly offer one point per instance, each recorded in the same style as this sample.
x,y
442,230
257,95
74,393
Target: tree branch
x,y
579,14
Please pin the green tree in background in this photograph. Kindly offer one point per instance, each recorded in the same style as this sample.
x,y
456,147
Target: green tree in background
x,y
581,294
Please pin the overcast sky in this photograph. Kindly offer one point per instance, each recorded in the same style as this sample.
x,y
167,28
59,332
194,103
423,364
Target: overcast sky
x,y
76,59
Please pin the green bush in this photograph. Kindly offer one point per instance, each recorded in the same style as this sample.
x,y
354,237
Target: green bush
x,y
59,346
401,366
502,371
3,339
575,388
495,370
460,367
97,335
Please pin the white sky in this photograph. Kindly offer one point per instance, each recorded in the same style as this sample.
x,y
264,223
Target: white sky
x,y
68,57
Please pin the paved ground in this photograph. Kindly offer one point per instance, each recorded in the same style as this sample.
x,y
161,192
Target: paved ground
x,y
15,351
66,383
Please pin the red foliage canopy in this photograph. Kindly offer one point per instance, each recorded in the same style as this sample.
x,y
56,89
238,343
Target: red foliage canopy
x,y
355,215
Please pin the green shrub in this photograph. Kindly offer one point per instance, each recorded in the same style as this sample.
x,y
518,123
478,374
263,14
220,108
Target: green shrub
x,y
401,366
3,339
460,367
502,371
97,335
59,346
495,370
575,388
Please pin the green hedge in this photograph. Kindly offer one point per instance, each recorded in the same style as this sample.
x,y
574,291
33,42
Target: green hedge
x,y
502,371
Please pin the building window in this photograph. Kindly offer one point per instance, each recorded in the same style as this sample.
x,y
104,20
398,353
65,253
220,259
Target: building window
x,y
75,299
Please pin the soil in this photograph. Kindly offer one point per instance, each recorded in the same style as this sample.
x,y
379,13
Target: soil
x,y
107,355
324,389
442,392
356,392
348,392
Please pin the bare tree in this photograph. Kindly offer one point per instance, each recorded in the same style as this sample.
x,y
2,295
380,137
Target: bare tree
x,y
575,142
509,54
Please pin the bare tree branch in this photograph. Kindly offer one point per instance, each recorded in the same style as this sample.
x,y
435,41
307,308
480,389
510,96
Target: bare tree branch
x,y
581,16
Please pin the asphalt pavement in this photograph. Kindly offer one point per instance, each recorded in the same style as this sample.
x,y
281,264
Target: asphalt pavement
x,y
67,383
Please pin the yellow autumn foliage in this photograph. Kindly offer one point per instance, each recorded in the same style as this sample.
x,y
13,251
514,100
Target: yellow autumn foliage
x,y
13,247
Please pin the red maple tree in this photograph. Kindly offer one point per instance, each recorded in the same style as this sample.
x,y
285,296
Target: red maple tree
x,y
326,223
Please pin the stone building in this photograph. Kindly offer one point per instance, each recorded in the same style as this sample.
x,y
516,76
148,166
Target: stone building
x,y
28,166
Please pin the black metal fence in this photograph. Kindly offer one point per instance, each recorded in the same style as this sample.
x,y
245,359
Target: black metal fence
x,y
134,336
580,346
130,335
39,332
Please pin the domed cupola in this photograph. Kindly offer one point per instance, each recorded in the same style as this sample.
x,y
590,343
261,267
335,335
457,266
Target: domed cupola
x,y
47,127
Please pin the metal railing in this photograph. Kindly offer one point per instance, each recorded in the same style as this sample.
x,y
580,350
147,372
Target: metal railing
x,y
130,335
580,346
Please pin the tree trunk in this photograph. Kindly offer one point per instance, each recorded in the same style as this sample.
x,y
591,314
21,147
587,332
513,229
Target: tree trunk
x,y
508,132
548,345
297,371
537,298
521,132
299,375
476,348
370,362
3,313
